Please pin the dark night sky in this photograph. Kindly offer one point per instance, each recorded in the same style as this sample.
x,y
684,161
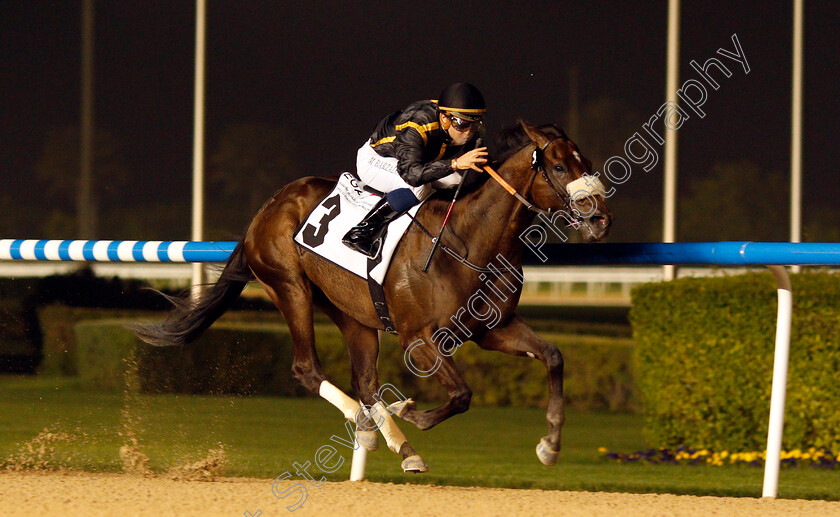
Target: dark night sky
x,y
328,71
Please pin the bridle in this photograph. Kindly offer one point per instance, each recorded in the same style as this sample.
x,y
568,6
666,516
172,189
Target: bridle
x,y
538,166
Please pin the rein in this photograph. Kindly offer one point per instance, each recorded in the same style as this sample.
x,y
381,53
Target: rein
x,y
454,254
536,166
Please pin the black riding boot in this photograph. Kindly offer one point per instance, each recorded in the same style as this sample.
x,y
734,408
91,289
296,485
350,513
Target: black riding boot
x,y
367,237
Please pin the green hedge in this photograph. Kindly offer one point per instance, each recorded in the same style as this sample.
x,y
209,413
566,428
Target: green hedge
x,y
256,358
14,338
19,352
59,343
74,296
704,359
59,340
222,361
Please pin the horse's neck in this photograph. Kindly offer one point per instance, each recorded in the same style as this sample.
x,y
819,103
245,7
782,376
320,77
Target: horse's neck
x,y
491,220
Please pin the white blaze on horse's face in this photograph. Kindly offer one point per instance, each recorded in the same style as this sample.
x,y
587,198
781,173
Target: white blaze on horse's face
x,y
577,157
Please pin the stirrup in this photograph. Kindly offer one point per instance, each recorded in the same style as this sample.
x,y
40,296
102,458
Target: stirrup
x,y
376,247
372,252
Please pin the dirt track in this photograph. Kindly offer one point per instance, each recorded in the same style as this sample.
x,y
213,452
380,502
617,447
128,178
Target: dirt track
x,y
89,495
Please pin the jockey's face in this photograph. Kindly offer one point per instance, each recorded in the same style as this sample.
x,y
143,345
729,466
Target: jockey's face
x,y
459,132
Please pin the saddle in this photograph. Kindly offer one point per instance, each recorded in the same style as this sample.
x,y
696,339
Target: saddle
x,y
344,207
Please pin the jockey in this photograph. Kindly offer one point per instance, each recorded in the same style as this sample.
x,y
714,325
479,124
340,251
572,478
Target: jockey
x,y
425,146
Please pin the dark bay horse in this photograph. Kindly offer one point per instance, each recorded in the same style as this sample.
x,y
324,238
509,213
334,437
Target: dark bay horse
x,y
486,223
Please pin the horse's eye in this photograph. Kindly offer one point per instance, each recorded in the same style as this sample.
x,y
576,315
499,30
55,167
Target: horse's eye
x,y
559,168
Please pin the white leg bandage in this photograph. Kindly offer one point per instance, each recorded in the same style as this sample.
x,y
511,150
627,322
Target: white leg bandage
x,y
379,414
339,399
393,436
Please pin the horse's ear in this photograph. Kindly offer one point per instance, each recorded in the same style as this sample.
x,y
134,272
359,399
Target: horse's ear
x,y
534,133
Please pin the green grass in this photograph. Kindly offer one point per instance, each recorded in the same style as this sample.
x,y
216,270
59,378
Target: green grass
x,y
263,437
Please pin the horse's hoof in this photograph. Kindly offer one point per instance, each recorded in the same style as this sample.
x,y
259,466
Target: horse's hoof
x,y
414,464
546,454
367,439
401,407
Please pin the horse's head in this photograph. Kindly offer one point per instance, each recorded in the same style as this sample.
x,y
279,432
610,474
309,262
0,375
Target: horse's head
x,y
560,185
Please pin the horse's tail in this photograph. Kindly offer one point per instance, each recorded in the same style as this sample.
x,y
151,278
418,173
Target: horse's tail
x,y
189,318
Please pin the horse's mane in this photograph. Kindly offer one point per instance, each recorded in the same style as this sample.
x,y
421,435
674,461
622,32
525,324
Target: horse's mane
x,y
508,141
512,138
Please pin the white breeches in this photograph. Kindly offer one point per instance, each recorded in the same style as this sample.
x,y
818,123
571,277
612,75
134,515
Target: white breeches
x,y
381,173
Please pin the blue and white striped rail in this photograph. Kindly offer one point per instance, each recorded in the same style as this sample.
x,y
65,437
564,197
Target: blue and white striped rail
x,y
115,251
735,253
738,253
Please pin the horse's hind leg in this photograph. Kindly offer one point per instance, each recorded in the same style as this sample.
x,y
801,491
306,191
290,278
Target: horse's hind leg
x,y
363,347
517,338
296,306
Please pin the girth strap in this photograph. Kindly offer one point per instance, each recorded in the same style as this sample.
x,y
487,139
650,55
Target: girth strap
x,y
377,295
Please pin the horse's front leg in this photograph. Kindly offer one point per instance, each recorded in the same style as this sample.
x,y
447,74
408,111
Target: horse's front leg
x,y
363,346
517,338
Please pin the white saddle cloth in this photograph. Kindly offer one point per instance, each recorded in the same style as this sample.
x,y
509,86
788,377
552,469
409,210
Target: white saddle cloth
x,y
340,211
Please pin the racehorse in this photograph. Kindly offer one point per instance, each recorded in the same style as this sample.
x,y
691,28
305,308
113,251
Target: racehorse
x,y
538,162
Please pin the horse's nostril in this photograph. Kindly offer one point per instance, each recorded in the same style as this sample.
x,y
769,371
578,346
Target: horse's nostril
x,y
598,220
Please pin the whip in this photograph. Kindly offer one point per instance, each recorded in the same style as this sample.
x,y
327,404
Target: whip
x,y
446,218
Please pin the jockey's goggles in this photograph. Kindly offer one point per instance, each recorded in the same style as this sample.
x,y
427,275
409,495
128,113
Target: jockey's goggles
x,y
462,124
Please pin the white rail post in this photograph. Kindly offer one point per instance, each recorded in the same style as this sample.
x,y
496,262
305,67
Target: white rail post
x,y
772,461
796,131
199,274
669,188
359,462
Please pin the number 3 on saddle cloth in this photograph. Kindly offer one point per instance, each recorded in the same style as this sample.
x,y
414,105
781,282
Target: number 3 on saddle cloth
x,y
327,223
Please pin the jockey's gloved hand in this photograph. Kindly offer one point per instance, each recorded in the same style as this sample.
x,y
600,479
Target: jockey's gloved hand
x,y
471,160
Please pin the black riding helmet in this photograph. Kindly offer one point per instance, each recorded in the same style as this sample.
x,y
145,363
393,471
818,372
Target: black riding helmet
x,y
462,100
